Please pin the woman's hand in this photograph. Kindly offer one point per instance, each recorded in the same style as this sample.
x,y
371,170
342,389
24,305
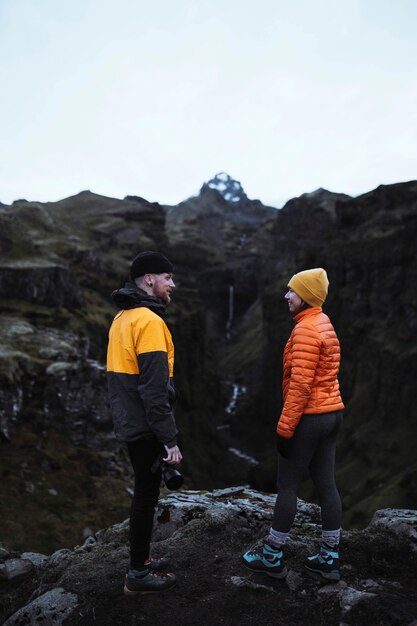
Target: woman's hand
x,y
284,446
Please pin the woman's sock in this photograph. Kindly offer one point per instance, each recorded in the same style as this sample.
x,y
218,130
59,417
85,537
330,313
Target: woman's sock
x,y
331,537
276,538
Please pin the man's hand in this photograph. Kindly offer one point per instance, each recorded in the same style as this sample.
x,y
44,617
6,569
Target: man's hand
x,y
174,455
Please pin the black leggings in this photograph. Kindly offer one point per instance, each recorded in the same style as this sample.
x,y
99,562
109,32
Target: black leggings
x,y
143,453
313,447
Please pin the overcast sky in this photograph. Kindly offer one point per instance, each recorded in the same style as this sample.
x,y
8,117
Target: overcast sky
x,y
154,97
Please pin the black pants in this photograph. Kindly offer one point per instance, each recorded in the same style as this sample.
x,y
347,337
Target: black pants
x,y
143,453
313,448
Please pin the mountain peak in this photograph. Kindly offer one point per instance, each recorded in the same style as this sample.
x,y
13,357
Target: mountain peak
x,y
226,186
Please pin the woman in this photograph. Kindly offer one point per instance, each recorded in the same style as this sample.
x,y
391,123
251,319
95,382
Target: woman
x,y
307,429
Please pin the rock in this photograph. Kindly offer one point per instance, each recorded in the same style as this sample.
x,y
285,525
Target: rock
x,y
11,401
87,546
369,584
16,569
50,609
40,284
398,521
239,581
35,557
349,597
74,395
333,589
294,580
4,554
60,556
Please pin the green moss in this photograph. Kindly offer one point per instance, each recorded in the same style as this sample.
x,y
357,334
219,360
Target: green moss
x,y
245,347
49,495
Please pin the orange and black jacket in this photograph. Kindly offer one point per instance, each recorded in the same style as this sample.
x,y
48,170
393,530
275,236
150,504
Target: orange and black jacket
x,y
311,365
140,366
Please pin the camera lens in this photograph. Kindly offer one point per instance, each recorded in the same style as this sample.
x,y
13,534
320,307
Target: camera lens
x,y
172,478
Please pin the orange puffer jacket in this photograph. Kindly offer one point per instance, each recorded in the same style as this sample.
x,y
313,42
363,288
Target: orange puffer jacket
x,y
311,365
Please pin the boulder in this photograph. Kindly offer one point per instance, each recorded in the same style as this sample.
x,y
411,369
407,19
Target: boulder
x,y
50,609
401,522
16,569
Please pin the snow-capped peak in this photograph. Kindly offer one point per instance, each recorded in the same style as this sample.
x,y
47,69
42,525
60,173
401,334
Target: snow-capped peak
x,y
230,189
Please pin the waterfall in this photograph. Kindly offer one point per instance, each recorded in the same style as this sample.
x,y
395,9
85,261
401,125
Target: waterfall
x,y
232,403
237,392
242,455
230,317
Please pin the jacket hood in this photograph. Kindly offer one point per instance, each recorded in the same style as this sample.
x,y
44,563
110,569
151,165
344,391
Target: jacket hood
x,y
131,297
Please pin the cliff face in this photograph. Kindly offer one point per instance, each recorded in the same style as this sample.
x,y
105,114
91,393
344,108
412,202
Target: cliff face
x,y
62,469
204,534
366,245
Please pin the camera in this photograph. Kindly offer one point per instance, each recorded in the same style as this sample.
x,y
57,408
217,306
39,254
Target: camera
x,y
172,478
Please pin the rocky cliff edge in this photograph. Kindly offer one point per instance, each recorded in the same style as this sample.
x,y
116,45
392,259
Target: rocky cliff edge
x,y
204,533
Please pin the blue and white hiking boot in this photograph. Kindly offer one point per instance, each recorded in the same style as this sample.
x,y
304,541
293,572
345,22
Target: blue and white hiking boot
x,y
325,564
263,557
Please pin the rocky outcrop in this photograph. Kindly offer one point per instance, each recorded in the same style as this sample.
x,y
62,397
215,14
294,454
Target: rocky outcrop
x,y
51,286
69,385
204,534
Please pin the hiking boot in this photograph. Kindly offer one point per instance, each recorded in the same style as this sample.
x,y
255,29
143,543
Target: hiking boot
x,y
147,581
157,564
263,557
325,564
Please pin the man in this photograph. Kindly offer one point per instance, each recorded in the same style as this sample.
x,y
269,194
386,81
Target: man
x,y
140,363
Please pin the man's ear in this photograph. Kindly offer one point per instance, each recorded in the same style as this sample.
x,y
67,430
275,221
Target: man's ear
x,y
148,280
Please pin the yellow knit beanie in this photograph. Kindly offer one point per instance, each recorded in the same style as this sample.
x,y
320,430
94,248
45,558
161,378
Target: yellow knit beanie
x,y
311,286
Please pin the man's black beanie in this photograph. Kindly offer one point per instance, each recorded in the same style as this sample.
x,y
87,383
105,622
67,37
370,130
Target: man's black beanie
x,y
150,263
